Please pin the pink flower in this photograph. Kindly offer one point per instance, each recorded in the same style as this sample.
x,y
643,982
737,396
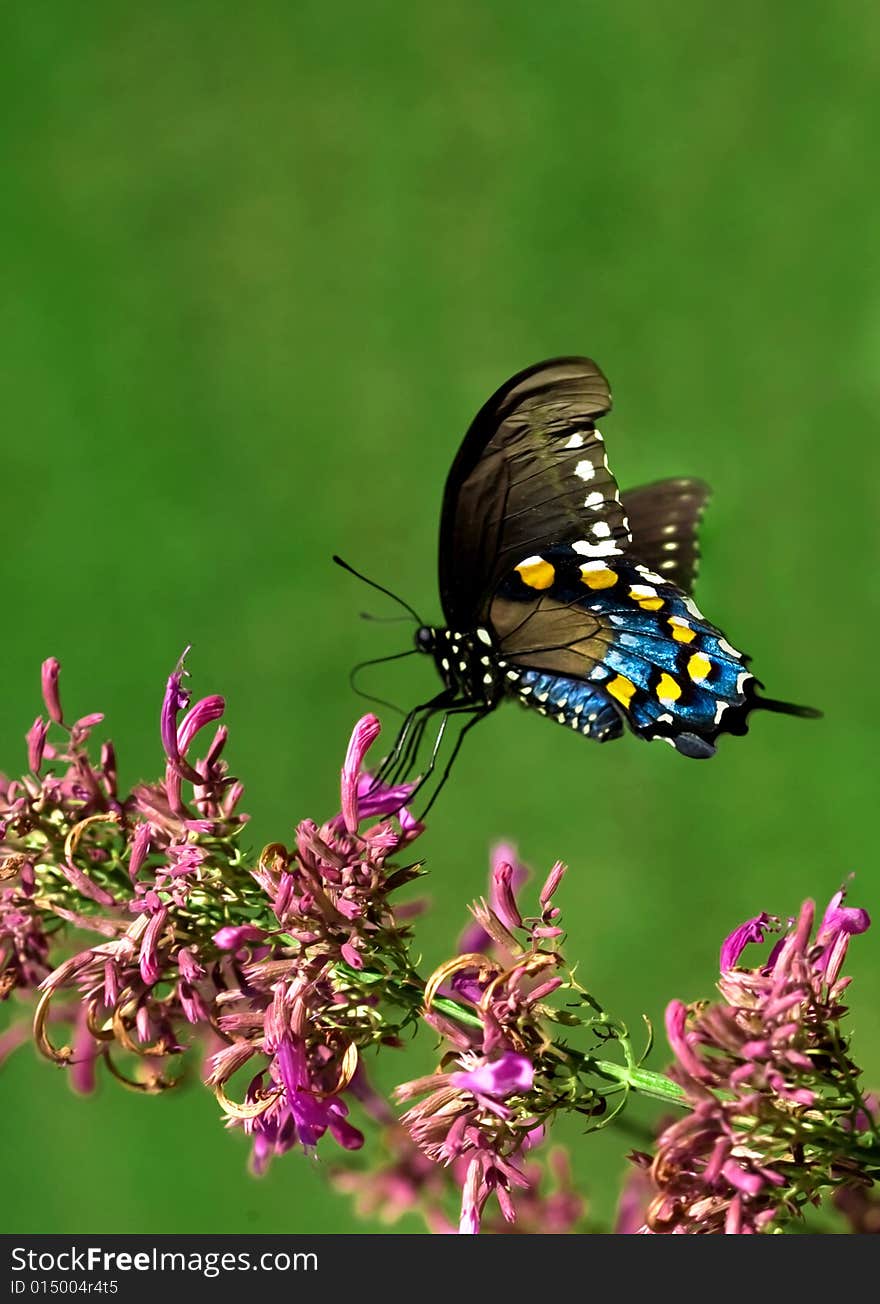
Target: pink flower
x,y
49,675
365,733
176,699
36,742
750,1065
751,931
503,898
140,849
474,937
205,711
509,1075
233,936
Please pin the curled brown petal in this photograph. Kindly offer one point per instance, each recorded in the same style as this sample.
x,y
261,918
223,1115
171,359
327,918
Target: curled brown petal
x,y
532,964
271,855
11,866
97,1023
236,1109
71,842
347,1068
121,1033
58,1055
153,1088
440,975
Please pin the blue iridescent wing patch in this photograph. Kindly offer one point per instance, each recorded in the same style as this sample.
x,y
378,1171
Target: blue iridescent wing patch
x,y
588,640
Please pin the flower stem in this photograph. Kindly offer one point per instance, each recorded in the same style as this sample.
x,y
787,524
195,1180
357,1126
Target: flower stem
x,y
654,1085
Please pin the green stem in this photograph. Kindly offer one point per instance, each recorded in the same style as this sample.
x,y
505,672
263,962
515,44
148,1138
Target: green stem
x,y
654,1085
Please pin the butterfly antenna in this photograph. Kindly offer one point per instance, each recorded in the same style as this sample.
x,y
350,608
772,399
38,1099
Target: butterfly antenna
x,y
381,588
378,661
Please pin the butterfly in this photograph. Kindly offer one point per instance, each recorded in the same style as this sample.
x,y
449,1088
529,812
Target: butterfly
x,y
568,596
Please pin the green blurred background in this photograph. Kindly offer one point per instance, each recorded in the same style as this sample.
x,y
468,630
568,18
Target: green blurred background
x,y
261,266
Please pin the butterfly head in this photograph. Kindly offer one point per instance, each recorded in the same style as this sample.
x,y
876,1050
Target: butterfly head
x,y
426,639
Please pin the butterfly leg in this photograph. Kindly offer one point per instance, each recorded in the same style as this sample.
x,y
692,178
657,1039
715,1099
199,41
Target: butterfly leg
x,y
479,715
410,752
460,708
415,720
391,761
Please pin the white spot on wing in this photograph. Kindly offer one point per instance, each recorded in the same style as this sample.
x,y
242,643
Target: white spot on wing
x,y
595,499
607,548
649,575
585,470
576,441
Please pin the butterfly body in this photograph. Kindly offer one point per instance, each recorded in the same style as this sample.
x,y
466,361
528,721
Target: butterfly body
x,y
468,662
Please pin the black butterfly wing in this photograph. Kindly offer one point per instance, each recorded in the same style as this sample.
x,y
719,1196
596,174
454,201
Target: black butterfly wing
x,y
664,519
530,473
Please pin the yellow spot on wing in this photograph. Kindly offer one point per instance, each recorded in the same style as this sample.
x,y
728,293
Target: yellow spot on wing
x,y
597,576
646,596
699,666
681,630
622,688
537,573
667,689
